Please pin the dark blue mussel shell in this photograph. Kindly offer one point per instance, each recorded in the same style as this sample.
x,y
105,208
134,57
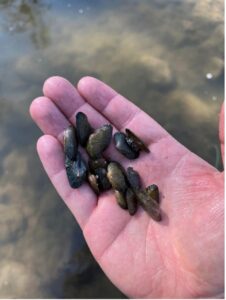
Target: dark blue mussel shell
x,y
133,178
76,171
70,143
84,129
122,146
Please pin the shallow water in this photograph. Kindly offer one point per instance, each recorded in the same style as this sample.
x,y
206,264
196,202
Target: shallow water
x,y
166,56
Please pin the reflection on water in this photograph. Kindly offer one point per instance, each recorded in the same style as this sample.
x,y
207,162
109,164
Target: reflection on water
x,y
26,16
166,56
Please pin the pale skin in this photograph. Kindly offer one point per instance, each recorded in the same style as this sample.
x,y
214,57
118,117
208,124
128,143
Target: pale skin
x,y
180,257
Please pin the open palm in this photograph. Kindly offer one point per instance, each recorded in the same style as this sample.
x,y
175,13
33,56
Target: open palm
x,y
180,257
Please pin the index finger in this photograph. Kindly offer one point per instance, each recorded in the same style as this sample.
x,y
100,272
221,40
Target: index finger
x,y
119,111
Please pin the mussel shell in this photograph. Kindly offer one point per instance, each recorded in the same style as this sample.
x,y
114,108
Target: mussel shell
x,y
99,141
70,171
76,170
83,127
133,145
70,143
97,163
153,192
122,146
133,178
102,179
135,141
92,179
149,205
116,177
131,201
121,199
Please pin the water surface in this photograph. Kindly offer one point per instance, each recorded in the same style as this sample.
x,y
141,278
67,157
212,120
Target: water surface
x,y
165,56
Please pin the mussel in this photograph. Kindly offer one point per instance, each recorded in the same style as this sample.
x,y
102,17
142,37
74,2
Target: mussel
x,y
76,170
120,198
103,174
122,146
131,201
97,163
129,144
153,192
92,179
135,142
116,177
84,129
102,179
99,141
150,205
133,178
70,143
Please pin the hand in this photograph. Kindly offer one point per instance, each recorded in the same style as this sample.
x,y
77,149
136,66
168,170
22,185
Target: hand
x,y
180,257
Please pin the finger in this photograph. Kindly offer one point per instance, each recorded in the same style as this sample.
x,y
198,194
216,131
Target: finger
x,y
118,110
53,122
82,201
48,117
65,96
